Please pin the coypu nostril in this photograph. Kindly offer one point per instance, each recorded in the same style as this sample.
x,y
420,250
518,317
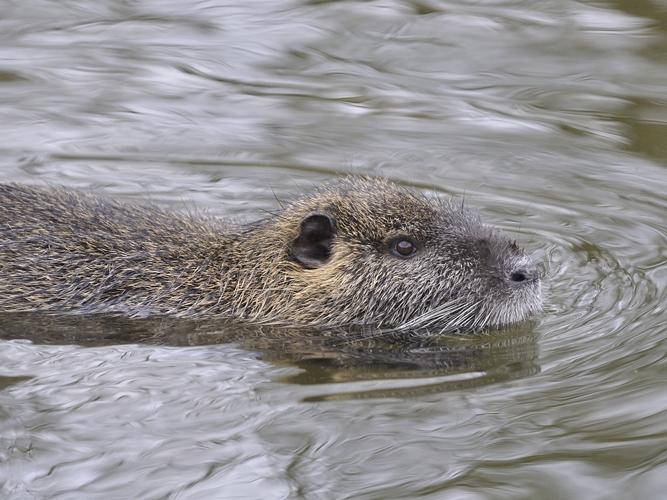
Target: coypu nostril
x,y
524,274
519,276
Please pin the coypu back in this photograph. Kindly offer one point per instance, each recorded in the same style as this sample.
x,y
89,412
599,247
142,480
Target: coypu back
x,y
357,251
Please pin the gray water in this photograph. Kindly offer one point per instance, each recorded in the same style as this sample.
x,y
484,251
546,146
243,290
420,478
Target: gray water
x,y
550,117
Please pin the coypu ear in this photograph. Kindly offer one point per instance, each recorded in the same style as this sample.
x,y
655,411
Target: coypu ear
x,y
312,247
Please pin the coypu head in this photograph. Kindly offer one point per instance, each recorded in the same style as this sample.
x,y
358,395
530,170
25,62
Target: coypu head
x,y
364,251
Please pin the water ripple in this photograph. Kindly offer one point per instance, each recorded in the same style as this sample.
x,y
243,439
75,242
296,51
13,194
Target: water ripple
x,y
547,116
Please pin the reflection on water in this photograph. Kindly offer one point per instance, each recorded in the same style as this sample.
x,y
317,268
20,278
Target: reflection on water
x,y
432,361
547,116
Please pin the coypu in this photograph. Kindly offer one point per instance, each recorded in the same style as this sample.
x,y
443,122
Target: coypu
x,y
357,251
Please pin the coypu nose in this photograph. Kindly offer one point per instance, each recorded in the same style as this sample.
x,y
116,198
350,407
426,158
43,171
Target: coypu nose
x,y
522,274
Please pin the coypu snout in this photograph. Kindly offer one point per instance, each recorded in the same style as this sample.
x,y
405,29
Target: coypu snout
x,y
358,251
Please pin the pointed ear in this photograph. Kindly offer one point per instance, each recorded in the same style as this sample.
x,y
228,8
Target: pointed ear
x,y
312,247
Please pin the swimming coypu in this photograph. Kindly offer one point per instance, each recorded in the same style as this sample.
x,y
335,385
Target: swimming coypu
x,y
357,251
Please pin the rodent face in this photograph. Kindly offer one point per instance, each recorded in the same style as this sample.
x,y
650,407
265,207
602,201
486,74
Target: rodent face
x,y
373,253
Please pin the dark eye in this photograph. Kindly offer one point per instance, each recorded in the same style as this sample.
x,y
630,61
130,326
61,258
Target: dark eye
x,y
403,246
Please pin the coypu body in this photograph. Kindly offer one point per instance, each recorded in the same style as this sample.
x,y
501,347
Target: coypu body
x,y
358,251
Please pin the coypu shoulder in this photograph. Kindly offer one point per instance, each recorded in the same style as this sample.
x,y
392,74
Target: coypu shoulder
x,y
358,251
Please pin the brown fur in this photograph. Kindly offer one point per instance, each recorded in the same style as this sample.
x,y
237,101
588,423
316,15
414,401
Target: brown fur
x,y
64,251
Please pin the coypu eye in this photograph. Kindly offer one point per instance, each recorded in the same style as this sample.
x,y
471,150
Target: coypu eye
x,y
403,246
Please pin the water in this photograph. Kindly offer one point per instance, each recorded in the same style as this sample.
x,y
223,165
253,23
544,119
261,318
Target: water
x,y
550,117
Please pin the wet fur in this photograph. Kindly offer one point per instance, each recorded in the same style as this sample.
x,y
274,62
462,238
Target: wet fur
x,y
66,251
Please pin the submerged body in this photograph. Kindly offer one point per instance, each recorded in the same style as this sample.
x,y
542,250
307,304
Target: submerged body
x,y
358,251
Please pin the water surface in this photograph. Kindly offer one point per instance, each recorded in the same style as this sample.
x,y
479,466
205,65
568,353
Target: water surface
x,y
549,117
